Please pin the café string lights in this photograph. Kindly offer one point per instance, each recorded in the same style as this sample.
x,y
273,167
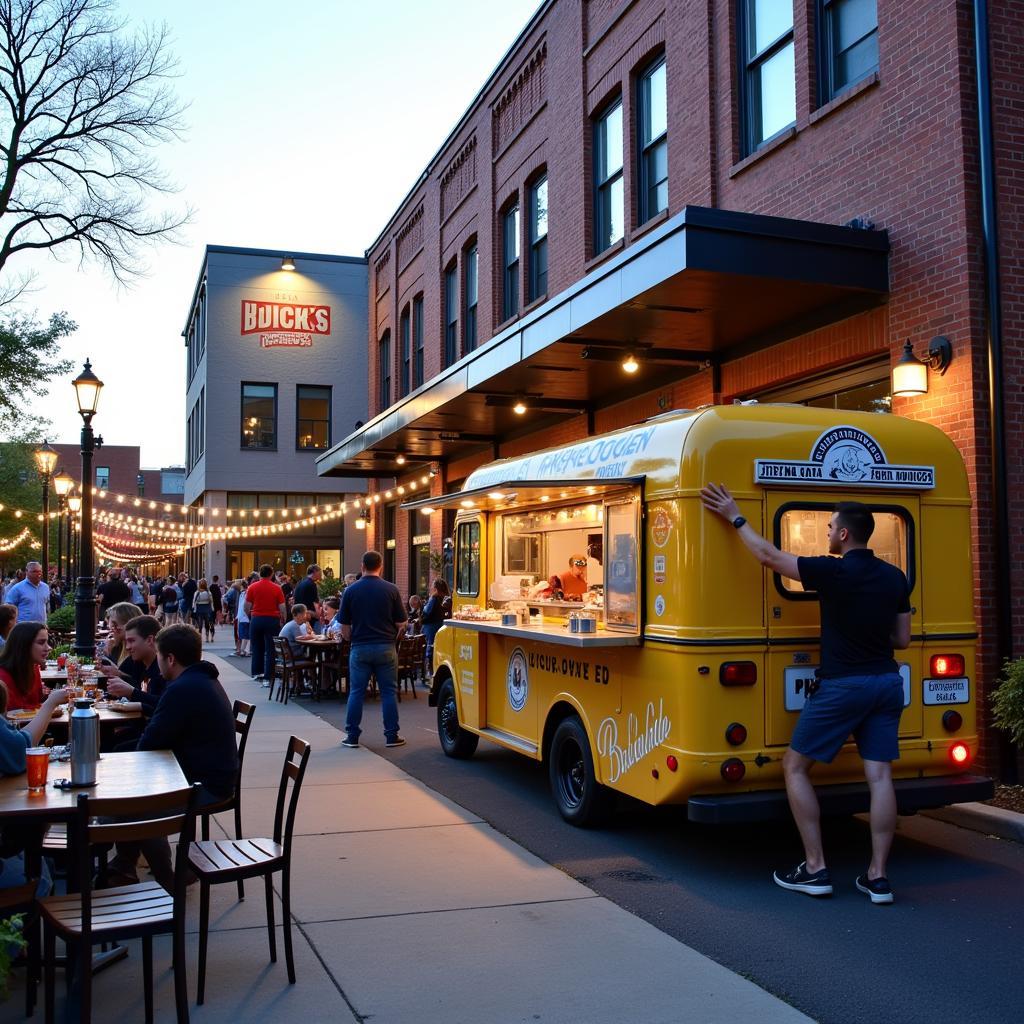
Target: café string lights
x,y
10,543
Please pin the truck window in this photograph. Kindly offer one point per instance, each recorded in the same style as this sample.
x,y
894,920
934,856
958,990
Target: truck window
x,y
803,530
622,594
467,558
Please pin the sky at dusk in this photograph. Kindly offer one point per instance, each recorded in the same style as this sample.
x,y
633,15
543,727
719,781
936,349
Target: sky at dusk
x,y
307,125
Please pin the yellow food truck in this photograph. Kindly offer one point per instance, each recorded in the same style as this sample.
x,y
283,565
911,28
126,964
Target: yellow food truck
x,y
673,667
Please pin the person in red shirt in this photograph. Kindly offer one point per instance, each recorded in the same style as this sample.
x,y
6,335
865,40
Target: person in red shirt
x,y
265,606
21,659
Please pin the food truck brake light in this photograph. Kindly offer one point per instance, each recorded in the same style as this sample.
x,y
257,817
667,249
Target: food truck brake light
x,y
672,762
736,734
733,770
946,666
952,720
959,753
737,673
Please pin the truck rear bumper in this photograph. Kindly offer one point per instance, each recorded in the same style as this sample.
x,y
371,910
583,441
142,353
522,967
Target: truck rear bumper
x,y
911,795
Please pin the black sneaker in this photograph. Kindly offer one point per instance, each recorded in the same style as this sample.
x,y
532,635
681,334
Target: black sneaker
x,y
395,741
801,880
350,743
878,889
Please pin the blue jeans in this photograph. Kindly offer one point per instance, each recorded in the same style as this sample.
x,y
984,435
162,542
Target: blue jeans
x,y
365,660
262,630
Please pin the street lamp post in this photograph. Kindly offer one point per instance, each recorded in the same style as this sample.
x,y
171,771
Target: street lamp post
x,y
87,391
74,507
62,484
46,461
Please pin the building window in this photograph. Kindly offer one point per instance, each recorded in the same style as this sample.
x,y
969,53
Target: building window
x,y
140,484
313,416
510,261
865,388
653,135
451,315
384,371
538,285
471,270
259,416
417,337
847,44
390,542
102,477
768,74
608,194
406,367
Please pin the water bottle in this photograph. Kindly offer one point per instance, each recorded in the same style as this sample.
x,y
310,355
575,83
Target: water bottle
x,y
85,743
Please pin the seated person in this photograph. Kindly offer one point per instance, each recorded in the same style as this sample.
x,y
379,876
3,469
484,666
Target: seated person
x,y
8,618
571,585
299,626
330,609
118,616
21,660
138,676
193,719
415,609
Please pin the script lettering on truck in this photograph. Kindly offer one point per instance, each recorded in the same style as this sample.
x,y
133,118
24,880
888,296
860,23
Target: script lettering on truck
x,y
284,324
844,457
622,754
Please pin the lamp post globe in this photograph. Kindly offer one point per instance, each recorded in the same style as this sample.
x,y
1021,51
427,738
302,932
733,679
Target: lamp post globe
x,y
46,462
87,392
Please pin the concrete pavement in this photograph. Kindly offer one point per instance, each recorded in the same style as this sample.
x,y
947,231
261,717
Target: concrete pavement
x,y
407,908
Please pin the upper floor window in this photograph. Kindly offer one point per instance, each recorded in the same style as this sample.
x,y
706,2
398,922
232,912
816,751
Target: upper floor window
x,y
417,330
847,44
451,315
538,278
608,194
653,136
472,277
102,477
510,262
259,415
405,370
769,74
384,371
313,416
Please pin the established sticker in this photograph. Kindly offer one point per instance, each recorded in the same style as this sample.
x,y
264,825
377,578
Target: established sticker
x,y
844,457
517,681
659,605
661,527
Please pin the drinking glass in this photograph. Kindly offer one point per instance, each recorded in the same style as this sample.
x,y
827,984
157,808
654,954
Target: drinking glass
x,y
37,763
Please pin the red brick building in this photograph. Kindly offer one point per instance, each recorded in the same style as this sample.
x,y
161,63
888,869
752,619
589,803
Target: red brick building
x,y
617,186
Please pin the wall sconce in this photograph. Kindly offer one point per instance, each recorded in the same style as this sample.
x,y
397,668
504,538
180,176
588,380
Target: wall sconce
x,y
400,459
520,407
910,374
363,519
288,263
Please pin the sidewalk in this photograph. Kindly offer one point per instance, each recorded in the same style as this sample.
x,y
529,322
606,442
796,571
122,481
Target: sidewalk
x,y
409,910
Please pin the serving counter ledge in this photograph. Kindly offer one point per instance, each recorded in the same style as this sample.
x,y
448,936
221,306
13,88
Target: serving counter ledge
x,y
550,633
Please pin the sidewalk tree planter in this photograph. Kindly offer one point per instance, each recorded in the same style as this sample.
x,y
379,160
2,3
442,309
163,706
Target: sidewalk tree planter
x,y
1008,701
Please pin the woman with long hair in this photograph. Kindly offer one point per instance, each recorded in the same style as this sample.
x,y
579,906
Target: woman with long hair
x,y
21,661
8,617
202,609
118,616
432,618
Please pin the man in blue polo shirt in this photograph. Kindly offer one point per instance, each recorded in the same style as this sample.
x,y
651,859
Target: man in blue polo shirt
x,y
865,615
31,596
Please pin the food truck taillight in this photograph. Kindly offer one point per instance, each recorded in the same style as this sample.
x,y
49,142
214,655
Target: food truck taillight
x,y
959,753
737,673
945,666
672,762
952,720
736,734
733,770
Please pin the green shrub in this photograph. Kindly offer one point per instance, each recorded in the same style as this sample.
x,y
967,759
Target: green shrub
x,y
1008,700
62,619
329,586
11,942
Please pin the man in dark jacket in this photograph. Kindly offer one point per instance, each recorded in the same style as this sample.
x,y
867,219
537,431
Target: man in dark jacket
x,y
194,720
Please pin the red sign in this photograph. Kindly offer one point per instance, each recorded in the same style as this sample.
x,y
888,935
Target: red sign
x,y
289,324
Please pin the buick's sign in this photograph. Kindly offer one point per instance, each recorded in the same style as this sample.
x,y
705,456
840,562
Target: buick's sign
x,y
844,457
289,324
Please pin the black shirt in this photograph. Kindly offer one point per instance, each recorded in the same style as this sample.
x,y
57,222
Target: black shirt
x,y
860,597
373,608
137,673
306,593
189,588
112,592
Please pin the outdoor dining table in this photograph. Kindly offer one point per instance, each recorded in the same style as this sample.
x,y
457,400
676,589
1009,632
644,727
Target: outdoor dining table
x,y
318,646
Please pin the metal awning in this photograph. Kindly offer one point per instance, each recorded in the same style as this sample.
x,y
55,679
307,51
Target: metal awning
x,y
705,287
519,493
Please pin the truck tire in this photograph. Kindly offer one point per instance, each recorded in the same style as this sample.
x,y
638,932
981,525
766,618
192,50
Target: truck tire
x,y
579,797
455,741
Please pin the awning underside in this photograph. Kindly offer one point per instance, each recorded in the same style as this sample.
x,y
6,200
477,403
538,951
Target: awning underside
x,y
522,493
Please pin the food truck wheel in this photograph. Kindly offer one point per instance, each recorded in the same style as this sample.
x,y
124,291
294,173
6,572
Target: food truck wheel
x,y
580,798
455,741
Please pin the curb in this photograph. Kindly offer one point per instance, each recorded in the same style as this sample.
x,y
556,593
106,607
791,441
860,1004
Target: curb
x,y
993,821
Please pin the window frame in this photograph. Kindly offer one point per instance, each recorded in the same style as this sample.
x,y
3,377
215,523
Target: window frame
x,y
471,257
749,67
646,149
384,370
299,419
96,476
241,418
451,314
826,55
405,352
511,213
603,186
461,530
537,251
418,355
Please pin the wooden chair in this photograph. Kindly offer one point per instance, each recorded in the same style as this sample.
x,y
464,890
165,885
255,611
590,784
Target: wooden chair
x,y
293,670
21,899
407,668
243,722
420,655
128,911
230,860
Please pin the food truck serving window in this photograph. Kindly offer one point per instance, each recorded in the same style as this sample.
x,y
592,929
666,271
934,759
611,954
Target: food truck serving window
x,y
621,550
467,543
802,529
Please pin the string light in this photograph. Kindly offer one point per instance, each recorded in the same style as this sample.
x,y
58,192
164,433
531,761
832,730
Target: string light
x,y
10,543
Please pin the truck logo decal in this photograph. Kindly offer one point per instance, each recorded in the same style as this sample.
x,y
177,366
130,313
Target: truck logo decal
x,y
619,758
517,681
842,457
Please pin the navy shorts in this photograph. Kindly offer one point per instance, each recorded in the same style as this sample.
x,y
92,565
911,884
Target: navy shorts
x,y
866,707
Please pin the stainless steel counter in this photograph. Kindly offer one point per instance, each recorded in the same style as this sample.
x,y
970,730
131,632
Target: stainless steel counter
x,y
550,633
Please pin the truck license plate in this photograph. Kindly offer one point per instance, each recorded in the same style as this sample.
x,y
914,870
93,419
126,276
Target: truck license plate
x,y
947,691
796,678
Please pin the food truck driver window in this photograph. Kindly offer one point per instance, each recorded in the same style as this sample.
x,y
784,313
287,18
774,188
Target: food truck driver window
x,y
803,530
468,558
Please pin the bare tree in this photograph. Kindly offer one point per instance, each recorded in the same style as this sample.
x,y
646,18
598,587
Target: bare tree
x,y
82,105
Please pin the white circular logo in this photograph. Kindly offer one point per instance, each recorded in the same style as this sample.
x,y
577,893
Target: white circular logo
x,y
659,605
516,680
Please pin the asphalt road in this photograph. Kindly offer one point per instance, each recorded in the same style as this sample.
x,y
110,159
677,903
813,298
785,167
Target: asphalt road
x,y
948,949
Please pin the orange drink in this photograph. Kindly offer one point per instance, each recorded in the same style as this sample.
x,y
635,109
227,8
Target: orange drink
x,y
37,763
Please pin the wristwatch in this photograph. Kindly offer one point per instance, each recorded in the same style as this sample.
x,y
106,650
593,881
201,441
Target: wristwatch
x,y
738,521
